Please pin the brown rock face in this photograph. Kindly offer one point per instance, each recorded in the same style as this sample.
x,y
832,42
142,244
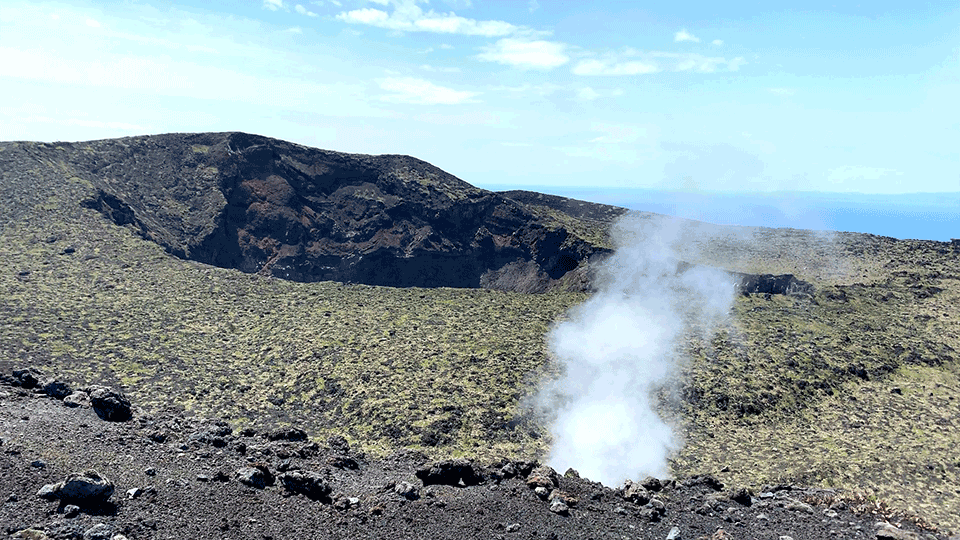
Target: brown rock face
x,y
263,205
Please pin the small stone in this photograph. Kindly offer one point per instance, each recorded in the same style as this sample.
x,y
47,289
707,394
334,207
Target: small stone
x,y
308,483
541,492
652,484
150,471
100,531
762,517
77,399
830,513
38,464
71,510
620,510
56,389
785,537
257,476
353,501
559,507
407,491
133,493
12,498
674,534
203,478
799,507
49,491
31,534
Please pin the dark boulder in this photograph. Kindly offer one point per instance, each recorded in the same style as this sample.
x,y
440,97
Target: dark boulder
x,y
308,483
109,404
451,472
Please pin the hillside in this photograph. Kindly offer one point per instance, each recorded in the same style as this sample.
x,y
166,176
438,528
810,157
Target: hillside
x,y
152,264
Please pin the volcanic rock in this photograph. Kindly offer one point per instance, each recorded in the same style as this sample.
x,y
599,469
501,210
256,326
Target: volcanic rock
x,y
451,472
308,483
109,404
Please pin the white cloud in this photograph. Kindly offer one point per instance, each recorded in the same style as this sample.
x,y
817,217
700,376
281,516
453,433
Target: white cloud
x,y
408,17
427,67
272,5
92,23
606,67
295,30
537,54
533,5
717,42
421,92
445,46
683,35
304,11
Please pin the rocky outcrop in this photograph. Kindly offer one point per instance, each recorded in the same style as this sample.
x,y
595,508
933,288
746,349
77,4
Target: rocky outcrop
x,y
268,206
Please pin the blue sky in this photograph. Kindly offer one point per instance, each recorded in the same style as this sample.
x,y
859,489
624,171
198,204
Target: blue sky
x,y
718,96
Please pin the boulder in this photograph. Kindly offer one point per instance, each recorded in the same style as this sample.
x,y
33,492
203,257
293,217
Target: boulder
x,y
451,472
543,476
635,493
27,377
407,491
308,483
100,531
56,389
85,489
256,476
109,404
287,434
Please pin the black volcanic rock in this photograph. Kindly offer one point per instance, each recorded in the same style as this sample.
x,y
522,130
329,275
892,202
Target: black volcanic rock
x,y
263,205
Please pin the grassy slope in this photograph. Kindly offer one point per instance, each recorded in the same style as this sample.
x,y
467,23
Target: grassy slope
x,y
444,370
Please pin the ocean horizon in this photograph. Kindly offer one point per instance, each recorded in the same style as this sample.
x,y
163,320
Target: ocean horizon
x,y
924,216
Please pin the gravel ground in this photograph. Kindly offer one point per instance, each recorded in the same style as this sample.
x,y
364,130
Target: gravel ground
x,y
178,477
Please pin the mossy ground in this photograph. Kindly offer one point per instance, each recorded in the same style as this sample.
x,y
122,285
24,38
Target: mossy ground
x,y
788,390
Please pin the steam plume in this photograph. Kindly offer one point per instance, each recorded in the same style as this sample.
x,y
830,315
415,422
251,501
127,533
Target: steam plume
x,y
621,345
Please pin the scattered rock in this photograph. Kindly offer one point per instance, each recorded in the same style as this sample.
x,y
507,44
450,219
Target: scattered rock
x,y
544,477
566,498
407,491
77,399
31,534
256,476
652,484
27,377
742,496
71,511
38,464
705,480
886,531
287,434
799,507
541,492
308,483
635,493
49,492
674,534
512,528
451,472
56,389
100,531
88,487
557,506
133,493
109,405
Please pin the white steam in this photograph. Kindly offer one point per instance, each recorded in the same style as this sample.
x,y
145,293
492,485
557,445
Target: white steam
x,y
621,345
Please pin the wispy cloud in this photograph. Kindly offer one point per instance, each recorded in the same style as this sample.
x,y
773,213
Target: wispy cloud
x,y
683,35
273,5
538,54
407,16
304,11
92,23
533,5
428,67
717,42
421,92
607,67
633,62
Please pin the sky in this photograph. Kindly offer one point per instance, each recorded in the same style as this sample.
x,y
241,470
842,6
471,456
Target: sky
x,y
750,97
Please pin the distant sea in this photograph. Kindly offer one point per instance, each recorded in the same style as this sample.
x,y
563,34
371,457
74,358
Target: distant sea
x,y
926,216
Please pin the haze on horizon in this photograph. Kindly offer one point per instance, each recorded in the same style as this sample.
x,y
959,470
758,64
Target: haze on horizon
x,y
688,96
